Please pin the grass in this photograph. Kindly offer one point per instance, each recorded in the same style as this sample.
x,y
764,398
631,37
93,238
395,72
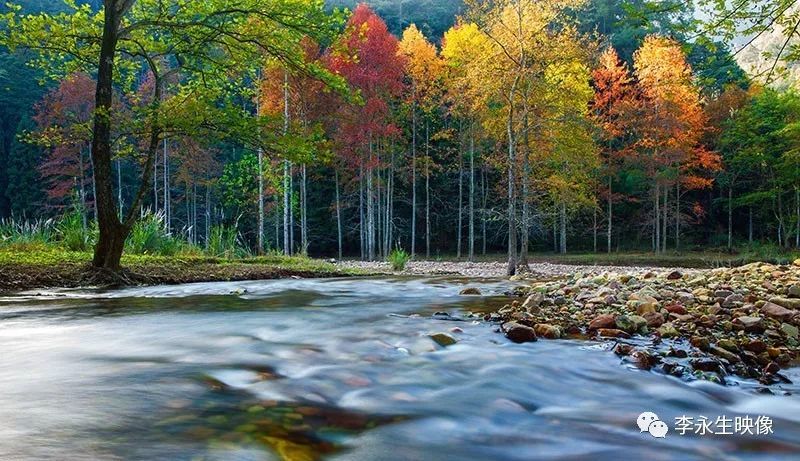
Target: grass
x,y
43,266
398,259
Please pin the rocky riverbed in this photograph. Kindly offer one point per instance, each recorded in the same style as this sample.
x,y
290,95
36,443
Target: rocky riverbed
x,y
692,324
481,269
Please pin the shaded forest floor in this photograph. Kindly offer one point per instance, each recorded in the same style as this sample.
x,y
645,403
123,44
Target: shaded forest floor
x,y
44,267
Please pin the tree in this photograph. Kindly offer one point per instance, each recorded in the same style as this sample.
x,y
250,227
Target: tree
x,y
614,97
460,47
367,56
424,70
525,37
25,193
672,123
64,119
127,35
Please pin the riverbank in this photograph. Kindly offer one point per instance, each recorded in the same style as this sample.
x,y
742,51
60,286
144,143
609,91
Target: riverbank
x,y
687,323
487,269
52,268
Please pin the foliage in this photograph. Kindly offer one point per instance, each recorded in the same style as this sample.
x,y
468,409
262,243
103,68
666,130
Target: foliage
x,y
73,231
149,237
22,233
398,259
225,242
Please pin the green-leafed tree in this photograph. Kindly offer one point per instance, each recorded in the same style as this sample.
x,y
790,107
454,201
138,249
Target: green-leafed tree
x,y
200,53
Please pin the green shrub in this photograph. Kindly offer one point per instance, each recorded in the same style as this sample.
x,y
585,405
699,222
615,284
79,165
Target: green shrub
x,y
224,242
150,237
73,235
398,259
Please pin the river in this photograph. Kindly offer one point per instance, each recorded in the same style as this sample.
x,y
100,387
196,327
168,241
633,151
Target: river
x,y
341,370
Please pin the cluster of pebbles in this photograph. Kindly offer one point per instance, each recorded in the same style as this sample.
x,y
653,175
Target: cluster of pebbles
x,y
692,324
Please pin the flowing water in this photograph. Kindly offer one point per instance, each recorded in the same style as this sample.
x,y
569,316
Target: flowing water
x,y
342,370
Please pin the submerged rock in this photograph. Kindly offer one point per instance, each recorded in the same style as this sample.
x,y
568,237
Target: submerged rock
x,y
519,333
470,291
443,339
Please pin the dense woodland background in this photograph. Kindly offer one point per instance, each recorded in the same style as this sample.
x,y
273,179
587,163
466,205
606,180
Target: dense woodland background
x,y
731,176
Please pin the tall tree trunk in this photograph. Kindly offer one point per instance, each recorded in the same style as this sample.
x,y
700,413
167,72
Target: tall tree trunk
x,y
260,201
485,201
370,210
563,246
94,184
678,215
208,213
750,226
338,215
119,190
361,229
112,232
730,217
278,200
167,191
594,227
657,224
526,214
460,202
287,188
414,179
664,221
287,250
797,216
260,154
82,191
427,191
610,214
471,192
512,205
304,210
155,184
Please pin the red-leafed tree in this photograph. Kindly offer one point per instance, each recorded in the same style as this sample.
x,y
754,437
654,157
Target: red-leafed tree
x,y
304,102
614,102
63,118
366,56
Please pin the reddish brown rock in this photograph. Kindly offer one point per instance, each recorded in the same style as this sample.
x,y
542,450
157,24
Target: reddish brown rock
x,y
777,312
607,321
756,346
676,309
654,319
612,333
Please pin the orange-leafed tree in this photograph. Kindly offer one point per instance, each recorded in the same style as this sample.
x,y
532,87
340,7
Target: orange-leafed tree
x,y
670,130
614,102
424,70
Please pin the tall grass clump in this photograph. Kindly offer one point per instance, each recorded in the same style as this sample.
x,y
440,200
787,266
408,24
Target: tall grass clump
x,y
398,258
149,236
16,232
74,233
225,242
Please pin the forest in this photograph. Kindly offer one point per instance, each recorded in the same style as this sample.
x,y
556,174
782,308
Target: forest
x,y
442,128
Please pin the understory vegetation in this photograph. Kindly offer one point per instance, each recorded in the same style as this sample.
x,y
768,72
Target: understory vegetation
x,y
459,127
